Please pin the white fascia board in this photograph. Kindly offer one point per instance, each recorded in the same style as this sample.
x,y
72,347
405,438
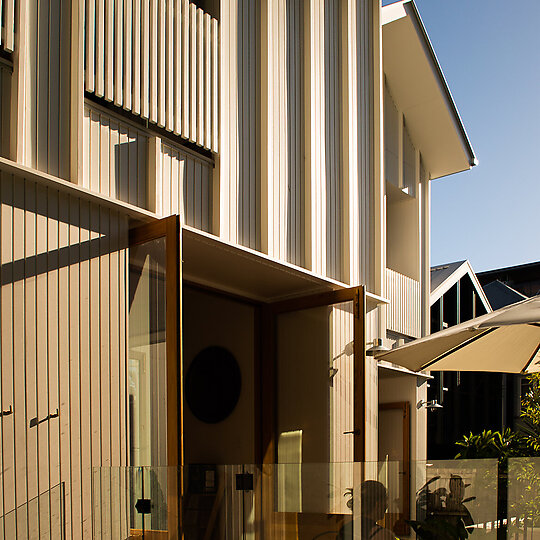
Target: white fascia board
x,y
446,285
421,91
480,290
430,51
393,12
54,182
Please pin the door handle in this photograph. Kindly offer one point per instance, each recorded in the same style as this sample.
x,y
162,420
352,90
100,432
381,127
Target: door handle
x,y
353,432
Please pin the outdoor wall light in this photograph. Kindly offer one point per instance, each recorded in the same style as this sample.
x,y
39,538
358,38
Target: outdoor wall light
x,y
429,404
377,347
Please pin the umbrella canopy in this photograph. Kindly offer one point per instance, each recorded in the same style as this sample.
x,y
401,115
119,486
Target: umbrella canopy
x,y
506,340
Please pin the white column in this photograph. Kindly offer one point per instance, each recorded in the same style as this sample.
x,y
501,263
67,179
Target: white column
x,y
425,252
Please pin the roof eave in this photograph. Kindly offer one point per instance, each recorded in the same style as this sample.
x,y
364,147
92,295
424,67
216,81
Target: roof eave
x,y
419,23
417,82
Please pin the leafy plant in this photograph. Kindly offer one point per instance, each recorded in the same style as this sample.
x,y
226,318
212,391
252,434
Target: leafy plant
x,y
522,442
529,424
490,444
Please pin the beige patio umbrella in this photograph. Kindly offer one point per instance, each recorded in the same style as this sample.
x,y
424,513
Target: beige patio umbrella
x,y
506,340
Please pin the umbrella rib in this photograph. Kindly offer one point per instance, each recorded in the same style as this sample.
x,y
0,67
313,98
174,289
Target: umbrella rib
x,y
531,359
457,347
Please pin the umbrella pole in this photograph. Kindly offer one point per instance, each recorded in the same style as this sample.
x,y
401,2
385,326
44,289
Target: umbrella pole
x,y
502,500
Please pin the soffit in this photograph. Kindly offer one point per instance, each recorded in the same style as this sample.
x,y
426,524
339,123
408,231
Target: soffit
x,y
212,262
418,87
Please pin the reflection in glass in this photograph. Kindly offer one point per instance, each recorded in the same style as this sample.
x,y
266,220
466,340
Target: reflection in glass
x,y
147,380
524,498
315,407
224,502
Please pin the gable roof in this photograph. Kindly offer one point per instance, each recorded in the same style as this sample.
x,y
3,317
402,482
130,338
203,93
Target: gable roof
x,y
499,294
445,276
419,88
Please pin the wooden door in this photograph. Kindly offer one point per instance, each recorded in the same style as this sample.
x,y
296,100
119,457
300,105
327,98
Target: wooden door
x,y
312,423
394,446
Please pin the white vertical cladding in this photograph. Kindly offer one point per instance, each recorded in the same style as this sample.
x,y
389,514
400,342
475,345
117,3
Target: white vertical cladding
x,y
108,52
90,36
157,59
130,50
214,75
363,210
266,125
283,174
239,163
371,192
363,235
42,87
115,157
341,403
228,166
144,88
333,98
351,240
62,297
193,59
342,384
404,314
7,25
187,187
317,152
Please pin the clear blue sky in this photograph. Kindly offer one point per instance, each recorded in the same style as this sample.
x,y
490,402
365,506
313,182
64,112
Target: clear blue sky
x,y
489,51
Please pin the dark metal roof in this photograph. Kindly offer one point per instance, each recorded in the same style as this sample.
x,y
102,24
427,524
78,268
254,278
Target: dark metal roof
x,y
521,270
524,278
440,273
500,295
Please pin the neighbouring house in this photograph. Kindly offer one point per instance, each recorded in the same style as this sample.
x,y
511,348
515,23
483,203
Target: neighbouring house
x,y
210,211
522,281
470,402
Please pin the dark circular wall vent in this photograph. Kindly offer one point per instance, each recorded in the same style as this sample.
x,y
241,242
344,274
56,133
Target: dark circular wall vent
x,y
213,384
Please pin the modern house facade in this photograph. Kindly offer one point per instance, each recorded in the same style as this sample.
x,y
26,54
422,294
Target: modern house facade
x,y
209,212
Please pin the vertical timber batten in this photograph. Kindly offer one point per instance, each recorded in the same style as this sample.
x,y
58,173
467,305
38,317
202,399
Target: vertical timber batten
x,y
54,245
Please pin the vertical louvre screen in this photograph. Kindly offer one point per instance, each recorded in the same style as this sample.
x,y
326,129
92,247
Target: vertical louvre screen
x,y
158,60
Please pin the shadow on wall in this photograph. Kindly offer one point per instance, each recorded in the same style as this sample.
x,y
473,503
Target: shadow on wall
x,y
56,207
127,174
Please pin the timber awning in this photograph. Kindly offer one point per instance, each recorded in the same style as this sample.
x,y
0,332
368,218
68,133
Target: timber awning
x,y
212,262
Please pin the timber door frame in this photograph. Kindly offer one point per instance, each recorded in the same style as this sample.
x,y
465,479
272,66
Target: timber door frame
x,y
267,452
170,228
405,408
